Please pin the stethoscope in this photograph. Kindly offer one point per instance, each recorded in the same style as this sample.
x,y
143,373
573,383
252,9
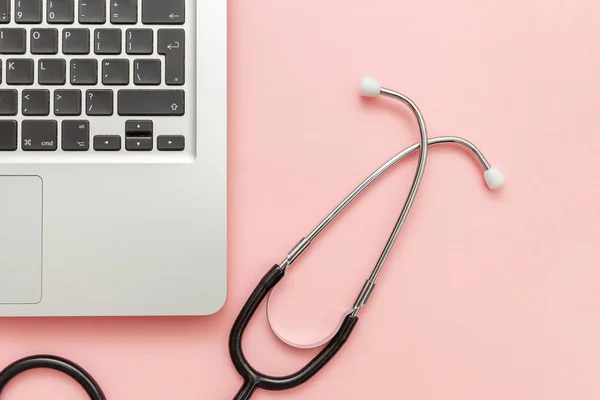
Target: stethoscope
x,y
254,379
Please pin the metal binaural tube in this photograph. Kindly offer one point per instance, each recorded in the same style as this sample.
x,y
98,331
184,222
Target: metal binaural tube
x,y
422,145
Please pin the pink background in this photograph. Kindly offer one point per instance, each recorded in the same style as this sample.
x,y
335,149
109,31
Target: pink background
x,y
487,296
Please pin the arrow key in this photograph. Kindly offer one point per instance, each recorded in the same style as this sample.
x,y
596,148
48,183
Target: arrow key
x,y
107,143
141,143
141,127
171,143
138,135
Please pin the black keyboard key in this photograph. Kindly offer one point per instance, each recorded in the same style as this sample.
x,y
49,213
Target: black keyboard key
x,y
139,128
171,43
123,11
146,72
76,41
138,136
92,11
163,12
84,71
39,135
107,143
35,102
170,143
107,41
99,102
67,102
9,102
139,41
60,11
13,41
139,143
19,71
28,11
5,11
44,41
115,72
8,135
75,135
52,71
151,102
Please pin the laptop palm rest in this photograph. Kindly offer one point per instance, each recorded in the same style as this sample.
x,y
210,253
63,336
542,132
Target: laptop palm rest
x,y
20,239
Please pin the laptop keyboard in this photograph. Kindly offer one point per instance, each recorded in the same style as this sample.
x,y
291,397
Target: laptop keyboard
x,y
93,76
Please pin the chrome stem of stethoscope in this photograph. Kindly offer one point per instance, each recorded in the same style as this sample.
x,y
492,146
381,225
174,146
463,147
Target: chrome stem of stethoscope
x,y
303,244
369,286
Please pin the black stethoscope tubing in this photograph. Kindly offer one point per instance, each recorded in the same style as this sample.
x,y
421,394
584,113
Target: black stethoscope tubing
x,y
67,367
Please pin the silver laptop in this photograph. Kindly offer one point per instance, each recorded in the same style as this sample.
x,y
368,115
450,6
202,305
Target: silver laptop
x,y
113,156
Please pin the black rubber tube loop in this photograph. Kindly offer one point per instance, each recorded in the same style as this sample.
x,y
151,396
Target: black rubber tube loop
x,y
252,378
67,367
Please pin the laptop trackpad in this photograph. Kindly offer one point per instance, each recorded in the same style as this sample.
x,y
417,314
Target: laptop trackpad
x,y
20,239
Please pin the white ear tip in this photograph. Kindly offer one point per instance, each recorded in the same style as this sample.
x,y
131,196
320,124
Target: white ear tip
x,y
494,178
369,87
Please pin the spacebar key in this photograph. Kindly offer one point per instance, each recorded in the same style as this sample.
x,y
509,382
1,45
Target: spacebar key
x,y
151,102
